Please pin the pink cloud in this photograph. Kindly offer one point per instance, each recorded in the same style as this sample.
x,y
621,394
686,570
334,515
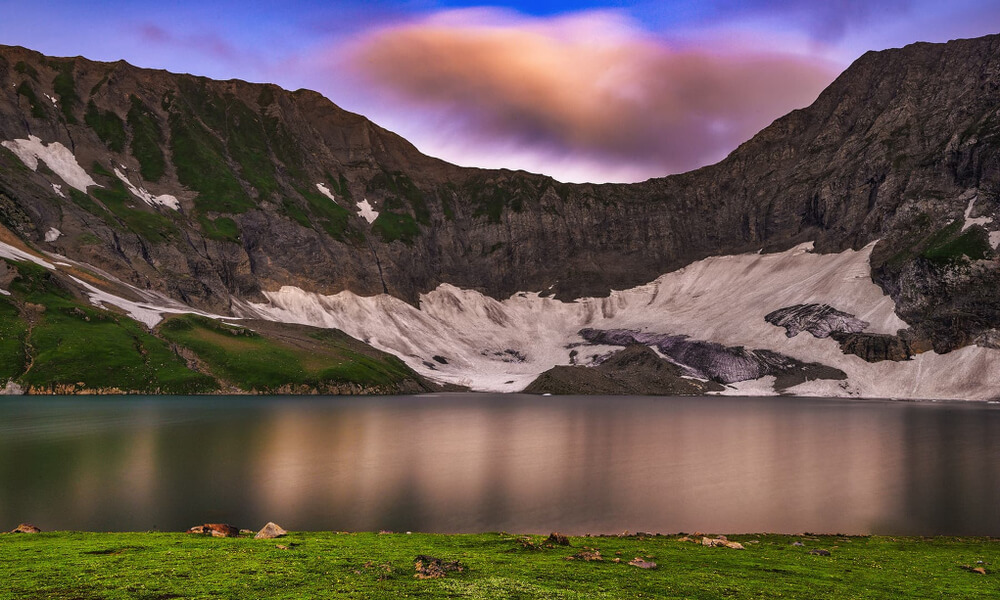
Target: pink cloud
x,y
590,85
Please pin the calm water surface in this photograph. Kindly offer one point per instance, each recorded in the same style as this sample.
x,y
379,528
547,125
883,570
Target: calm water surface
x,y
475,462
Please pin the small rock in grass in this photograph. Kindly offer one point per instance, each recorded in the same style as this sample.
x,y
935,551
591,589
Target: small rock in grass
x,y
587,554
26,528
685,539
820,552
281,547
557,539
270,531
642,564
798,543
428,567
734,545
979,570
215,530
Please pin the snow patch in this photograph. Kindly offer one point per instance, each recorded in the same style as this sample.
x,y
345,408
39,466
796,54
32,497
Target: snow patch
x,y
754,387
58,190
326,191
366,211
4,292
52,234
994,239
148,313
12,253
969,222
56,156
54,101
141,193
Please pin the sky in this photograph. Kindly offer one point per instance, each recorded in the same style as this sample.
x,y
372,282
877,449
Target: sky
x,y
598,90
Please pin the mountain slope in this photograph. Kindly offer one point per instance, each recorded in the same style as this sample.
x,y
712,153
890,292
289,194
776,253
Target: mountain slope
x,y
218,194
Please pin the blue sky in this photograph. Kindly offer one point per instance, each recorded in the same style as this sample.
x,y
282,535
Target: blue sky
x,y
594,90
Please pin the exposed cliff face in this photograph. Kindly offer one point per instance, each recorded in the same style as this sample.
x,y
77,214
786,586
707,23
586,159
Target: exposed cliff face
x,y
904,147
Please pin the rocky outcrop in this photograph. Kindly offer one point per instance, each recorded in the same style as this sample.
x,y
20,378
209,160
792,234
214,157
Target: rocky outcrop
x,y
215,530
26,528
818,319
709,360
874,347
270,531
636,370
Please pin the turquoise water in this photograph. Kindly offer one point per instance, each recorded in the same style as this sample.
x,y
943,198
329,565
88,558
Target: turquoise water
x,y
481,462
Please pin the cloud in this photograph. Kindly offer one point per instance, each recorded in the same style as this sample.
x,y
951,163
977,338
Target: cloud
x,y
590,84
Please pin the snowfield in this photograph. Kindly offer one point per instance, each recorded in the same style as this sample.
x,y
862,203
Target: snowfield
x,y
502,346
56,156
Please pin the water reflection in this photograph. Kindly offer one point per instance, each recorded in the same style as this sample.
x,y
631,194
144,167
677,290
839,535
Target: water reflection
x,y
514,463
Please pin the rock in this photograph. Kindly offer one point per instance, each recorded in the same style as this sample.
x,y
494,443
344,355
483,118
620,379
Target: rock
x,y
281,547
642,564
819,552
26,528
820,320
557,539
270,531
735,545
685,539
979,570
797,543
428,567
215,530
12,388
874,347
587,554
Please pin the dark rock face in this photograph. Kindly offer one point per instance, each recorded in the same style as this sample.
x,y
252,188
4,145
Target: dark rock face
x,y
708,360
636,370
874,347
890,151
818,319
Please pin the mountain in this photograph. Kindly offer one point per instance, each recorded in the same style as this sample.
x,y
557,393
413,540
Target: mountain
x,y
876,205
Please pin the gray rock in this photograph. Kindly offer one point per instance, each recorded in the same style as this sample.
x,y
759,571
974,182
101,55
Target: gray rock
x,y
818,319
270,531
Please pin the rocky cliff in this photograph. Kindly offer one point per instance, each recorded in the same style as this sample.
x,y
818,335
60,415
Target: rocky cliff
x,y
217,193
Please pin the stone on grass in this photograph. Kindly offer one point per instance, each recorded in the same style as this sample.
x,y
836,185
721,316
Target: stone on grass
x,y
587,554
270,531
557,539
26,528
642,564
428,567
820,552
215,530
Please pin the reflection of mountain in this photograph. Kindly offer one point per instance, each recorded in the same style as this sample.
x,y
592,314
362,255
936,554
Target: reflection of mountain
x,y
167,193
504,463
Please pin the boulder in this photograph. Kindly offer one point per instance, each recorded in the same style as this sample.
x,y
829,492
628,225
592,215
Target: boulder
x,y
270,531
215,530
557,539
26,528
428,567
642,564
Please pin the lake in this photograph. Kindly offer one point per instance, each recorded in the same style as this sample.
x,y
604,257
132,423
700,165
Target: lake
x,y
517,463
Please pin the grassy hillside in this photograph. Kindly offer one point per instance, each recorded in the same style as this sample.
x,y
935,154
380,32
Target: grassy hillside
x,y
51,341
495,566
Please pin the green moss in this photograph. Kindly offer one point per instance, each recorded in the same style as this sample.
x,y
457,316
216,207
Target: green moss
x,y
97,86
292,210
107,125
25,69
401,194
222,228
65,87
147,139
87,203
201,166
38,110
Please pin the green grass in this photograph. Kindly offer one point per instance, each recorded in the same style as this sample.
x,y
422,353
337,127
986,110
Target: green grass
x,y
78,345
201,166
65,87
12,332
25,69
38,110
152,226
391,227
107,125
261,363
331,216
222,229
65,565
951,244
147,138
